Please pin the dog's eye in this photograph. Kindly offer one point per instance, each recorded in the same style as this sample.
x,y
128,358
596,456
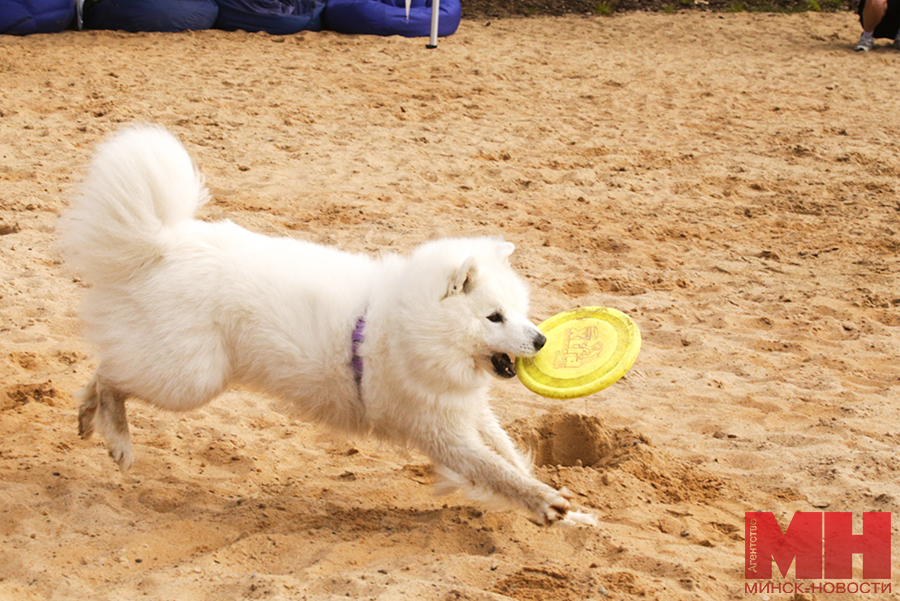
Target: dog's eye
x,y
495,317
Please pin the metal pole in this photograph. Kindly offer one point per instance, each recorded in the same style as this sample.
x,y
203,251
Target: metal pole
x,y
435,15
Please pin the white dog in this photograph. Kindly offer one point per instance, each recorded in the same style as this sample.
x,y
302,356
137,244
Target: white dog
x,y
400,347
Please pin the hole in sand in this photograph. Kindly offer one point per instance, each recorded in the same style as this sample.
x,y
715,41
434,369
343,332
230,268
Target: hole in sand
x,y
570,439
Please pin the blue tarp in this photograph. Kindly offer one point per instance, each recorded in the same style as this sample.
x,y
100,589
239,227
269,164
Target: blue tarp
x,y
150,15
388,17
278,17
21,17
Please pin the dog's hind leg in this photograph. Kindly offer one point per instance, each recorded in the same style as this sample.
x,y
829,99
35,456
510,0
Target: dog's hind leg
x,y
103,408
87,409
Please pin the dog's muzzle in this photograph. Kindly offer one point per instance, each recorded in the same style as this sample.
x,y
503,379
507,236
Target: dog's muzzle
x,y
505,366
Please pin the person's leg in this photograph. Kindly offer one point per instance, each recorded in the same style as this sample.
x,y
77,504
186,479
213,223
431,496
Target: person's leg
x,y
873,12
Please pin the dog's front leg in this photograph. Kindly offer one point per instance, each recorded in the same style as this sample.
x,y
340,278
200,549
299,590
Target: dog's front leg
x,y
497,438
486,469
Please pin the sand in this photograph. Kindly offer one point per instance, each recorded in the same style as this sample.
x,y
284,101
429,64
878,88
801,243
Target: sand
x,y
728,180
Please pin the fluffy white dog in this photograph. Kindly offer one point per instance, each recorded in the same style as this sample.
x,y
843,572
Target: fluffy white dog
x,y
399,347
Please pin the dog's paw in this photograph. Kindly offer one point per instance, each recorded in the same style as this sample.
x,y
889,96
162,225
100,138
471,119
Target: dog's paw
x,y
121,453
554,509
558,510
87,413
85,428
574,518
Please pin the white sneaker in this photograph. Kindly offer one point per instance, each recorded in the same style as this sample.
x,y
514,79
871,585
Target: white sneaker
x,y
865,44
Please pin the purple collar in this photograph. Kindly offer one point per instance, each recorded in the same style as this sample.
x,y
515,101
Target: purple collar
x,y
356,361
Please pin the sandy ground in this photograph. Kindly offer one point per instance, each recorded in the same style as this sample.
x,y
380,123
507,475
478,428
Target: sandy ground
x,y
730,181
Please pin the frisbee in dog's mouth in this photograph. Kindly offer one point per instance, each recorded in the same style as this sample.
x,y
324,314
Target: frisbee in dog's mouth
x,y
587,350
504,365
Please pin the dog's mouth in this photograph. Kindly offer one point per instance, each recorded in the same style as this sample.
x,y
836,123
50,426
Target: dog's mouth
x,y
504,365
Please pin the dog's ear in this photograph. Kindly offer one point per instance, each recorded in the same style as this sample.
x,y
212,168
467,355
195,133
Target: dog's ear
x,y
505,249
463,279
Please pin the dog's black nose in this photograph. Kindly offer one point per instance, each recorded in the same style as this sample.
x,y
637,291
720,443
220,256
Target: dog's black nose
x,y
539,341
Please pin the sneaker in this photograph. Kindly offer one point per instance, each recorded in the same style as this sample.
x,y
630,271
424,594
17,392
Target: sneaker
x,y
865,44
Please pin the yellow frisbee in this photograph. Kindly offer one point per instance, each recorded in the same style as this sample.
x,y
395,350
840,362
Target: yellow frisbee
x,y
587,349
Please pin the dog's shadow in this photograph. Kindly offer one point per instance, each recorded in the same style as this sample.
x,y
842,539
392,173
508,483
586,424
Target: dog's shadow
x,y
299,517
454,529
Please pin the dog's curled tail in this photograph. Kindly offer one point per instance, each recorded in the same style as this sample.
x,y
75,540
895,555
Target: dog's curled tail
x,y
141,183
